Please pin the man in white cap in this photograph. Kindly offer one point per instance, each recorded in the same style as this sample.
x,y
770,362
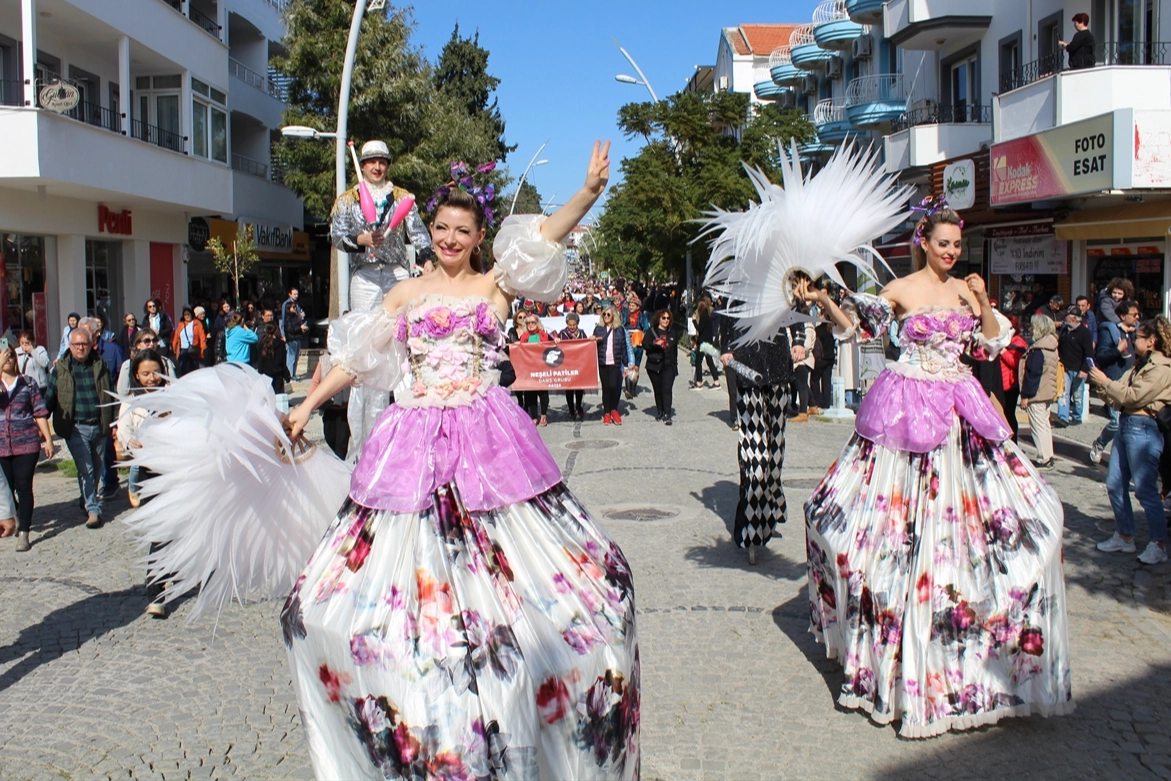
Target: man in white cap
x,y
377,261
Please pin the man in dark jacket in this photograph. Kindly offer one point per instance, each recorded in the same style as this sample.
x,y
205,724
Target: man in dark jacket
x,y
760,410
1074,347
1114,356
78,389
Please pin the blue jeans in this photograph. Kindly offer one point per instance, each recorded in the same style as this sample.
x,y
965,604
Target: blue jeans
x,y
1108,432
1137,447
1073,388
87,445
293,349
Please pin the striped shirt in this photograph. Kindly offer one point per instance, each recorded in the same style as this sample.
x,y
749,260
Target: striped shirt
x,y
20,407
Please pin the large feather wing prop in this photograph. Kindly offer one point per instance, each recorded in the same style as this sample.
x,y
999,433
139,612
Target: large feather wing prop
x,y
808,225
239,512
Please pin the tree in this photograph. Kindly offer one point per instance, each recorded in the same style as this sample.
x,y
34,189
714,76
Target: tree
x,y
697,145
462,74
239,260
528,202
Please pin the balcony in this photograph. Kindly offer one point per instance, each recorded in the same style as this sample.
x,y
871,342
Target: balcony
x,y
933,25
1059,98
865,11
932,133
264,102
249,166
1152,53
261,199
832,27
782,69
815,150
11,92
764,86
829,117
804,51
872,101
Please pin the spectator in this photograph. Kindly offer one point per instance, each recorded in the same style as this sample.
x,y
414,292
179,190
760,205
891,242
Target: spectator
x,y
248,310
1075,347
238,340
32,360
1010,360
293,329
1116,290
161,323
1088,317
79,386
662,362
145,339
24,435
1054,309
124,338
1080,48
1138,396
636,326
572,332
265,317
614,355
802,338
825,355
273,360
109,351
188,342
705,333
70,323
589,306
209,356
1038,379
1114,356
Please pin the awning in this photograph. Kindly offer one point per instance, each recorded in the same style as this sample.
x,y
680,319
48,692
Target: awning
x,y
1125,221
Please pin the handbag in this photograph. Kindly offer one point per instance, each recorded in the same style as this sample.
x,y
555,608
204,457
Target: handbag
x,y
1163,418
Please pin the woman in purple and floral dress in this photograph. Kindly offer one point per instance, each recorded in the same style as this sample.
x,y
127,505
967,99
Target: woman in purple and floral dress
x,y
464,617
935,564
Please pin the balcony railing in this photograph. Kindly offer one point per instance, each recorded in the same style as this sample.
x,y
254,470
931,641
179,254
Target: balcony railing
x,y
167,139
801,36
780,56
93,114
254,79
249,166
204,21
11,92
1150,53
278,170
942,115
884,87
829,110
830,11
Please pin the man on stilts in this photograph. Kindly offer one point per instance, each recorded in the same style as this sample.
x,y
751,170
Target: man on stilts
x,y
378,260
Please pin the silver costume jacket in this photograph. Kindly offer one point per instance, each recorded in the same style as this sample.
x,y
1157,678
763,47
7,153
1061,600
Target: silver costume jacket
x,y
347,222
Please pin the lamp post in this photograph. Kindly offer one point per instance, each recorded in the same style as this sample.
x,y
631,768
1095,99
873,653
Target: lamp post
x,y
529,167
622,77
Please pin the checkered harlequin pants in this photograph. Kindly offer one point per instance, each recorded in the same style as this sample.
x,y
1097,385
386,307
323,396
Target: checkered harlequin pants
x,y
761,453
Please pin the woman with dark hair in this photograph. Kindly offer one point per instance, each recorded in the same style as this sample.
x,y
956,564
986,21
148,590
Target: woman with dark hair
x,y
705,333
238,339
662,361
124,337
189,342
272,359
154,318
25,433
1081,47
535,402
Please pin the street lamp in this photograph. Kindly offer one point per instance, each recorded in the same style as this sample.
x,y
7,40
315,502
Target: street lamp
x,y
304,131
622,77
529,167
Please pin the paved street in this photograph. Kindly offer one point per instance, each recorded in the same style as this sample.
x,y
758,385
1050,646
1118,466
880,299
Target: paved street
x,y
734,687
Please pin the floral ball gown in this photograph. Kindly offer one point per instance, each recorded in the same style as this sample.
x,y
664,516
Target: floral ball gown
x,y
934,547
464,617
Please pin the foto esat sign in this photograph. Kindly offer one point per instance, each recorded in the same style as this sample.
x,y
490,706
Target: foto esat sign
x,y
1068,160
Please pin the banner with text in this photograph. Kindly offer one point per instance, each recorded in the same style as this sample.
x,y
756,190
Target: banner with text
x,y
571,365
1067,160
1027,249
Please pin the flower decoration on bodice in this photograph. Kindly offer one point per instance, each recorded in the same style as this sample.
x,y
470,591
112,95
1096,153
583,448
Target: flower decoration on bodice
x,y
449,346
936,338
463,178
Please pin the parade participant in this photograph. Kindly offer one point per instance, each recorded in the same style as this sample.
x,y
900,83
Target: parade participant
x,y
637,324
934,546
573,398
378,260
464,616
24,435
662,362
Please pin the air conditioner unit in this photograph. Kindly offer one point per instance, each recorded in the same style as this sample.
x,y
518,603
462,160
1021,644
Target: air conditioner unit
x,y
862,47
834,70
723,84
809,85
788,99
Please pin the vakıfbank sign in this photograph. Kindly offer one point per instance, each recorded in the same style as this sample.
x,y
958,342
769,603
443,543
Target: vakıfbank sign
x,y
1068,160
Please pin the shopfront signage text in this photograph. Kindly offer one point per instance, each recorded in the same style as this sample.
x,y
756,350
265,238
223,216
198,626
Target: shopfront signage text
x,y
1027,249
198,233
270,237
959,183
1067,160
116,223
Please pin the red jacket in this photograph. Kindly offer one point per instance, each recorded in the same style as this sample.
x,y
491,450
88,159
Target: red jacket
x,y
1010,359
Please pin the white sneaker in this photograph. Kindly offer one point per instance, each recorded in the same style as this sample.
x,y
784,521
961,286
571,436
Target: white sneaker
x,y
1154,554
1096,453
1117,545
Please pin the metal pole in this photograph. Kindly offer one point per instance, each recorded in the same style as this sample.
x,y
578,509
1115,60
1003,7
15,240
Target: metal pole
x,y
343,119
522,176
637,70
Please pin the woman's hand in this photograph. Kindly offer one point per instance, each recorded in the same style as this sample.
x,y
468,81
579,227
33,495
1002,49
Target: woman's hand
x,y
804,289
1098,377
976,284
598,173
296,421
47,446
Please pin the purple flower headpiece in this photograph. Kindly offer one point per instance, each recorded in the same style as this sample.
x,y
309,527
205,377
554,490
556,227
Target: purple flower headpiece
x,y
461,178
932,204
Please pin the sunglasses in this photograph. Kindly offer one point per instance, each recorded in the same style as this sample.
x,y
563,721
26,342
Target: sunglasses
x,y
149,341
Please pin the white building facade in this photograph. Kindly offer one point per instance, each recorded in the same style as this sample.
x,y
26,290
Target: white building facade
x,y
127,125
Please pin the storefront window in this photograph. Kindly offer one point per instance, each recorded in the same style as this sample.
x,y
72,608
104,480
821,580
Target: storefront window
x,y
1139,260
103,276
22,263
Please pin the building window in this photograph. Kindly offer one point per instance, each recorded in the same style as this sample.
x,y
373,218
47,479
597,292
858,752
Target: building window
x,y
23,260
158,119
959,97
209,122
1010,59
103,276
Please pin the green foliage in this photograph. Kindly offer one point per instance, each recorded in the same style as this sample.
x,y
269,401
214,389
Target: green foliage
x,y
427,116
693,160
528,202
237,260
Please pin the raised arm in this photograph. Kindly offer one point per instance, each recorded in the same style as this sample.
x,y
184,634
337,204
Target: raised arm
x,y
562,221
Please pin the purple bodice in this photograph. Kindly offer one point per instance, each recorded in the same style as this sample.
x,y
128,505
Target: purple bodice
x,y
452,423
911,406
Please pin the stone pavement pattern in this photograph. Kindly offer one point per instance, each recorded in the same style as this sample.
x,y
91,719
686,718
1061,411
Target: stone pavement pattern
x,y
733,685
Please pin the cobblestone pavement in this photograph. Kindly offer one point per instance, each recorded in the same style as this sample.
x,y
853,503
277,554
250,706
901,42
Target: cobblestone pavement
x,y
734,687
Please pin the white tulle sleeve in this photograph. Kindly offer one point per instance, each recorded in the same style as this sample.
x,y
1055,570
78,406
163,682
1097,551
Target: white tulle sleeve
x,y
370,347
527,264
994,346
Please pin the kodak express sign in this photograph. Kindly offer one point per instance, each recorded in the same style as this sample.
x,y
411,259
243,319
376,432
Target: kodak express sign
x,y
1068,160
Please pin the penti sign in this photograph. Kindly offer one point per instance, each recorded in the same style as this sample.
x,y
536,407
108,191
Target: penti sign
x,y
1068,160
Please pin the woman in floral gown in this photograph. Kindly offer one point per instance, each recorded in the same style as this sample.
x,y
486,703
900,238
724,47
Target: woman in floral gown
x,y
934,547
464,616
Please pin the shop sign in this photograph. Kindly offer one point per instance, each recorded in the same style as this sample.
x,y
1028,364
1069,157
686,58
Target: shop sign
x,y
959,184
59,96
115,223
1068,160
198,234
270,237
1152,149
1027,249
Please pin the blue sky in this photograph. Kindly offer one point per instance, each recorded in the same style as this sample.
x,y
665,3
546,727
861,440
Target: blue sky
x,y
556,64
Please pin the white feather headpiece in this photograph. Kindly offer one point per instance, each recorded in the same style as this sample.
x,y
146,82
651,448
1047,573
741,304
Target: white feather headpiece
x,y
808,225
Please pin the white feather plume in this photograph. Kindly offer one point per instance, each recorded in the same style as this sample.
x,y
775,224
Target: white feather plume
x,y
808,225
237,520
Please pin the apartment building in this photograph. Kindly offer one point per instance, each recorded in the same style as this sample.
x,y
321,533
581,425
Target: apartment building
x,y
134,131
